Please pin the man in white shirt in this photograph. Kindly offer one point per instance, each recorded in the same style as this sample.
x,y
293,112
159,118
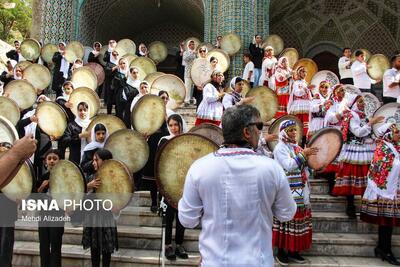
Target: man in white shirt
x,y
248,72
360,76
235,193
344,65
391,88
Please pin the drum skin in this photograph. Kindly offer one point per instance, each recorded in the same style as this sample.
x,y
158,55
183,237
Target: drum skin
x,y
310,65
158,51
125,46
266,101
38,75
22,185
148,114
98,70
223,59
145,64
152,77
112,123
324,75
174,86
231,43
209,130
173,161
201,71
66,182
51,119
379,64
372,103
130,147
73,51
329,142
116,183
48,51
391,112
274,129
8,132
30,49
9,109
84,77
276,42
84,94
22,92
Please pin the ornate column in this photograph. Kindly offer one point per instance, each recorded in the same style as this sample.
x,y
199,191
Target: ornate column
x,y
243,17
56,20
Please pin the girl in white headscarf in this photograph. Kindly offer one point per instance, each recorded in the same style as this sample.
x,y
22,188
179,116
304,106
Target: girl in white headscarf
x,y
283,75
142,52
98,137
143,90
118,84
75,135
94,54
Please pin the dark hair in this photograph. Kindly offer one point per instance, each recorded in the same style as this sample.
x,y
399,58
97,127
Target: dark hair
x,y
52,151
103,154
16,41
84,104
234,120
100,127
393,58
163,92
212,58
248,55
177,118
133,68
345,48
359,53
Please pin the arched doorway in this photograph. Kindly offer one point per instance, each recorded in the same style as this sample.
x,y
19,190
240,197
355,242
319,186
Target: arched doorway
x,y
327,61
142,21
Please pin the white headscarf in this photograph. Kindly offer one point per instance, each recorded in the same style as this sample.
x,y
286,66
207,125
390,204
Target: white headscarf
x,y
64,96
85,122
94,144
255,43
140,50
94,51
124,71
64,68
138,96
76,64
132,82
113,59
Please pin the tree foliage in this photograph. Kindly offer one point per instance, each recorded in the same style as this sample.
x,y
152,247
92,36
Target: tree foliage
x,y
15,22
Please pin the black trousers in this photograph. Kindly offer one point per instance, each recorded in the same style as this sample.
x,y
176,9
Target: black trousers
x,y
385,238
120,107
110,100
179,231
387,99
151,185
6,246
95,257
198,95
50,239
347,81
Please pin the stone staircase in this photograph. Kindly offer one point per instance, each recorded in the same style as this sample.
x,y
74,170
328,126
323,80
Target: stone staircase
x,y
337,240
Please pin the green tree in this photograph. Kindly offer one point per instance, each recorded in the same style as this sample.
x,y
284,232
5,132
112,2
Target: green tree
x,y
16,20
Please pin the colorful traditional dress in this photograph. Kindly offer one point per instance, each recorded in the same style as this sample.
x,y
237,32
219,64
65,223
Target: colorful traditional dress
x,y
210,109
317,112
299,103
356,155
267,72
381,200
294,235
282,86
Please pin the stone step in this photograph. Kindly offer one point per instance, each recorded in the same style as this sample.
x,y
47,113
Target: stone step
x,y
26,254
330,222
149,238
318,202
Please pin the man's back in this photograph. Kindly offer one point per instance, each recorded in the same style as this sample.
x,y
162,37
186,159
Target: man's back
x,y
235,193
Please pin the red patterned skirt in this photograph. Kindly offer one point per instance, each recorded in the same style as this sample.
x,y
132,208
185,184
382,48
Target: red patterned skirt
x,y
294,235
200,121
351,180
282,105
